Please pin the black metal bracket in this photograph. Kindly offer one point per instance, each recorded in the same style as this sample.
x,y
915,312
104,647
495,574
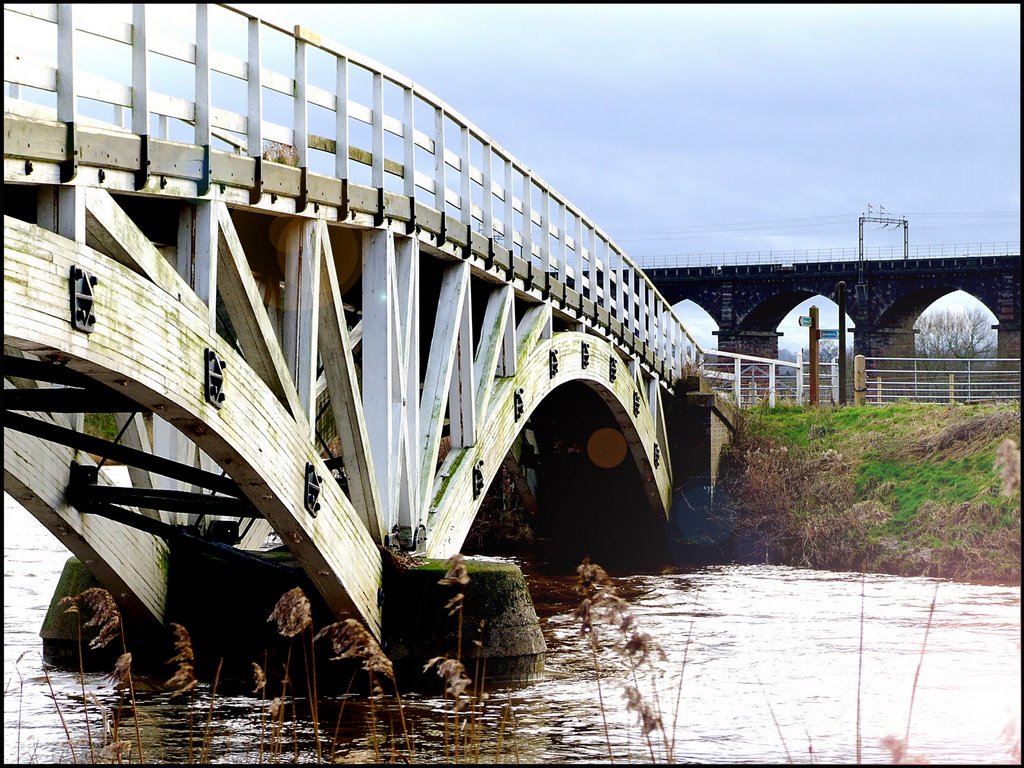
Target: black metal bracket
x,y
528,280
478,479
92,399
142,174
545,290
82,299
517,404
303,200
380,215
81,475
85,493
552,363
69,166
584,354
256,191
344,212
489,258
613,368
312,492
636,403
442,235
214,388
203,187
130,456
410,225
657,455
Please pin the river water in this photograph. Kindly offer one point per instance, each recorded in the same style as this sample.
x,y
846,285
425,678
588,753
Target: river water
x,y
762,664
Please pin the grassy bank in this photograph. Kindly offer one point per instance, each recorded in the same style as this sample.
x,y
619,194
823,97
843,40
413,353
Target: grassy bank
x,y
908,489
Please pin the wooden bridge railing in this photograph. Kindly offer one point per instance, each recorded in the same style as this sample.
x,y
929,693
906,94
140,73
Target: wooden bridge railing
x,y
204,117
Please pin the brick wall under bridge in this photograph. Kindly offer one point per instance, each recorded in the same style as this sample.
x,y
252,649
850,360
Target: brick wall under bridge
x,y
749,301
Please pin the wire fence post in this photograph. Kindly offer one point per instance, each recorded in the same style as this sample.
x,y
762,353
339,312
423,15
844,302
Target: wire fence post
x,y
737,382
800,377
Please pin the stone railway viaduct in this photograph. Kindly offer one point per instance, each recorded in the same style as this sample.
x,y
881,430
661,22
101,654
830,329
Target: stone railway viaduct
x,y
749,301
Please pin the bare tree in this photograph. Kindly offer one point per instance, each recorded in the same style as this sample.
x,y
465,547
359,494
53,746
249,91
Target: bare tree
x,y
950,333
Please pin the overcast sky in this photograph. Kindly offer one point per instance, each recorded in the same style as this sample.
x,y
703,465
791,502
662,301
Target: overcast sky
x,y
686,130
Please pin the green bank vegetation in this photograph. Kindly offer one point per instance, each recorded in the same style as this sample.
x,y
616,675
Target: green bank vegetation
x,y
909,489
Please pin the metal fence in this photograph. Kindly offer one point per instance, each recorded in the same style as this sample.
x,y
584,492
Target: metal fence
x,y
752,381
932,380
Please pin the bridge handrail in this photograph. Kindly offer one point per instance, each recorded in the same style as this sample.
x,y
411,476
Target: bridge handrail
x,y
751,358
746,373
567,244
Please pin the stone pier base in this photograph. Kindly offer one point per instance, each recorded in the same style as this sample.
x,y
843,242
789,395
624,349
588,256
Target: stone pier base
x,y
225,608
497,611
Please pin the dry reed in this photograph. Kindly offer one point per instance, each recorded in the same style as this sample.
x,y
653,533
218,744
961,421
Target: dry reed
x,y
600,604
292,614
107,618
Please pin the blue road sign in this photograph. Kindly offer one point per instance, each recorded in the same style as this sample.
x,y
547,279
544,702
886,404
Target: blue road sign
x,y
828,333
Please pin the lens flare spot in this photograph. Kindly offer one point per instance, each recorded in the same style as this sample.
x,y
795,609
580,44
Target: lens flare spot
x,y
606,447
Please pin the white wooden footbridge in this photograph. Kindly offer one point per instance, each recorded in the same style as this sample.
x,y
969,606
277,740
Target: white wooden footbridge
x,y
241,263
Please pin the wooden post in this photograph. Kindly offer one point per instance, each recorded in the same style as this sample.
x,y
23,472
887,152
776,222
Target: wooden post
x,y
391,375
952,389
859,379
812,348
301,246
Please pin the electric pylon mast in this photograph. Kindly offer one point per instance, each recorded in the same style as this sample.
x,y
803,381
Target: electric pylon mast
x,y
886,221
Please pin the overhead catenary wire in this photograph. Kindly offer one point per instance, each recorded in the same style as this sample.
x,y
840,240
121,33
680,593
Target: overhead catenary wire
x,y
804,225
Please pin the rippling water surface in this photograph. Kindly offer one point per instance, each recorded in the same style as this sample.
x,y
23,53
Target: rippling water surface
x,y
761,664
